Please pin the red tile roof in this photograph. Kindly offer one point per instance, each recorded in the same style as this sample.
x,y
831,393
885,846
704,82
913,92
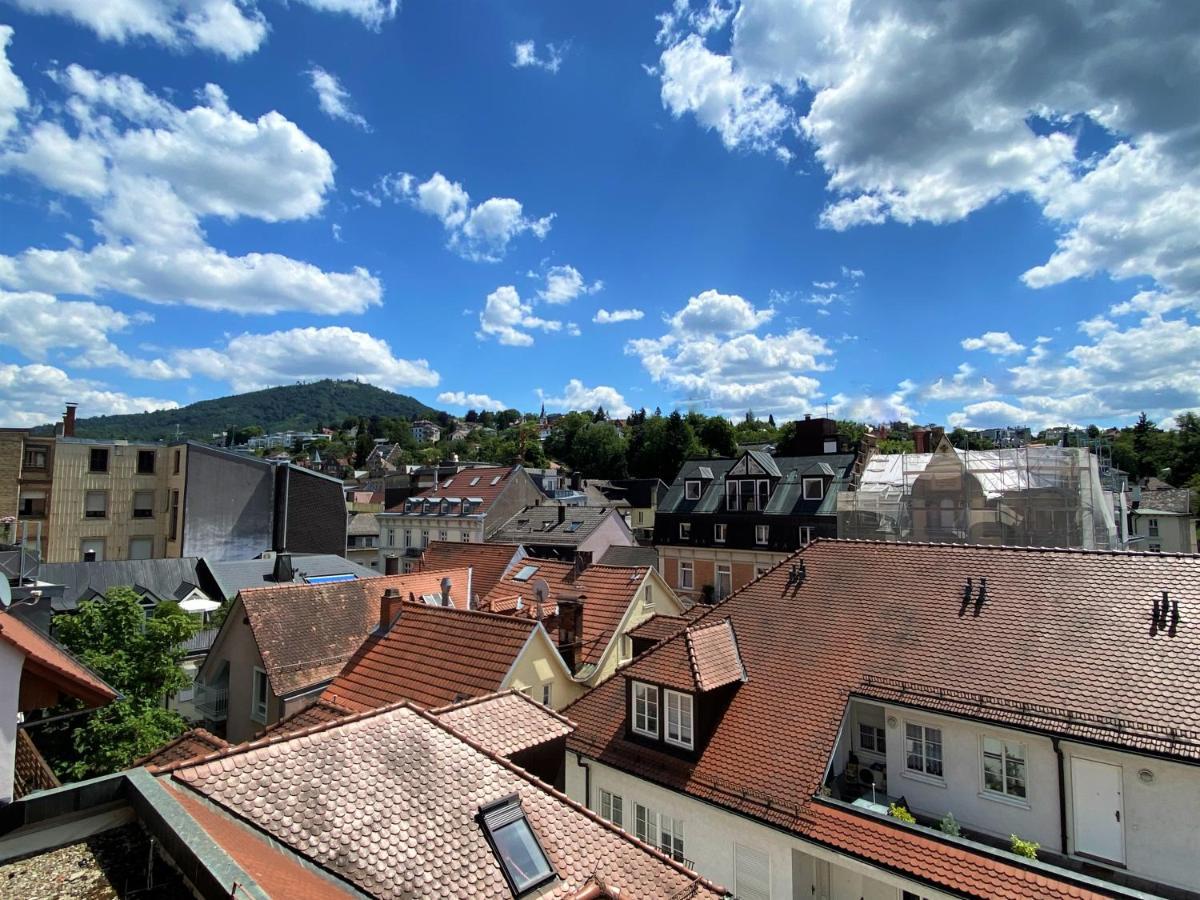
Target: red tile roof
x,y
45,659
306,632
431,656
713,655
388,800
193,743
505,723
488,562
460,486
1059,631
659,627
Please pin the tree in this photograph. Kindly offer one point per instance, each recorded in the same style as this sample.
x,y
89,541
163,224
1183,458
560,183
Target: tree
x,y
600,415
363,445
471,416
140,657
718,437
599,451
771,419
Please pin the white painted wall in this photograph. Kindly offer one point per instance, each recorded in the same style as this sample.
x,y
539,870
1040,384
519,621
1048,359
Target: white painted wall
x,y
12,661
612,532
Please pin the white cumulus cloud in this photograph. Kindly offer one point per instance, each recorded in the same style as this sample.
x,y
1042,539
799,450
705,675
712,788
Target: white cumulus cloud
x,y
13,97
509,319
333,98
575,395
470,401
35,394
605,317
998,343
525,55
565,283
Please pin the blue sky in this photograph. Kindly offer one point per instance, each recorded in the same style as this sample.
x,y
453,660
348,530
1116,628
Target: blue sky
x,y
789,209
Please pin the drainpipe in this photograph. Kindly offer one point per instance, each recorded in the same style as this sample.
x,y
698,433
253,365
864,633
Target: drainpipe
x,y
1062,796
587,780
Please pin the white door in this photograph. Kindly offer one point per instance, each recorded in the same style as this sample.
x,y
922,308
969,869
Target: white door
x,y
1098,811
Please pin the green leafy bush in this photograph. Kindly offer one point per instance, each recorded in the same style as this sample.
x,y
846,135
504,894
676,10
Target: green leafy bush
x,y
949,825
899,812
1024,848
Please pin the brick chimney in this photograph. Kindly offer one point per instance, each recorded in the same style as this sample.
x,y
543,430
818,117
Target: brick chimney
x,y
69,420
920,438
445,585
390,607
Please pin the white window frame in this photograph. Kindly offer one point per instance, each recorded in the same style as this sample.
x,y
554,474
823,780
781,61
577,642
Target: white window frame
x,y
762,535
685,531
646,707
612,808
719,533
878,735
926,758
757,890
645,824
733,489
1004,793
1152,527
648,596
726,570
671,836
820,483
443,535
686,568
548,693
806,535
679,719
691,490
258,712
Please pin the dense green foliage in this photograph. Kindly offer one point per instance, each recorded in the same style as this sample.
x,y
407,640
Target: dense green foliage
x,y
140,657
299,407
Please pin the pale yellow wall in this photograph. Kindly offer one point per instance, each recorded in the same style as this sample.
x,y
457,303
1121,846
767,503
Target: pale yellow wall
x,y
665,603
539,665
67,526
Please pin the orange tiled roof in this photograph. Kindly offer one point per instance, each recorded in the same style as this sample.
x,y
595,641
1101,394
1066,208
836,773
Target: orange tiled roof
x,y
866,615
431,656
46,659
505,723
193,743
659,627
306,632
488,562
388,800
713,654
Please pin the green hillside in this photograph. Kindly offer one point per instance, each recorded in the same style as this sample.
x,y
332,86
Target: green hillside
x,y
299,406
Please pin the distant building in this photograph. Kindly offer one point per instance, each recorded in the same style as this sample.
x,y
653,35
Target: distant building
x,y
565,532
362,540
1007,437
426,432
1163,521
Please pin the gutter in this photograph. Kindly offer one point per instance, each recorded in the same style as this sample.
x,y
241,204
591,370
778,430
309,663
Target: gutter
x,y
587,779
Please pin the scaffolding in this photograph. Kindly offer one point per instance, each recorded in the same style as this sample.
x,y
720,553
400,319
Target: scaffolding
x,y
1021,496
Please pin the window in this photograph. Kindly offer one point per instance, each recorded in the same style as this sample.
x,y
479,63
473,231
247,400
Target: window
x,y
95,505
761,533
407,538
145,462
465,536
521,856
724,586
685,575
94,547
35,458
612,808
751,874
923,749
719,534
764,494
679,719
424,538
1155,548
648,597
174,515
547,693
33,505
872,738
830,447
732,495
946,513
1004,768
671,837
685,530
175,461
639,517
691,490
1152,525
645,709
258,696
806,535
814,488
98,461
645,824
443,535
141,548
143,504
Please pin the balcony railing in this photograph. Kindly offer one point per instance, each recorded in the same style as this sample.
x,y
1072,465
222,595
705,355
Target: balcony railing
x,y
200,641
212,701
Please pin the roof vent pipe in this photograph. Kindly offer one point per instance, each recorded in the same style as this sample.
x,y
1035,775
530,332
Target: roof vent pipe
x,y
1162,614
445,584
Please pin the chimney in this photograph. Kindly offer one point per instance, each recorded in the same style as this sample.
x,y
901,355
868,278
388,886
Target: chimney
x,y
389,608
445,584
283,572
577,481
807,417
391,564
583,559
920,439
562,514
69,420
570,629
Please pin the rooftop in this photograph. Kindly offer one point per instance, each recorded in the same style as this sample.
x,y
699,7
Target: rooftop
x,y
47,660
566,526
788,496
164,579
240,575
617,555
505,723
484,483
488,562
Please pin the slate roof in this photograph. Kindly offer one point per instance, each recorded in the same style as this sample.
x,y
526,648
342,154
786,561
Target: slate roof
x,y
306,632
1174,501
1066,636
540,525
641,492
505,723
617,555
163,578
388,802
45,659
431,656
488,562
193,743
240,575
787,498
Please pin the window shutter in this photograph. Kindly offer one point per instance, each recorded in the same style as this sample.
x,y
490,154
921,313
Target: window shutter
x,y
751,873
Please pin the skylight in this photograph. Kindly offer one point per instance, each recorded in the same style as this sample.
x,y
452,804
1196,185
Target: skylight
x,y
526,573
574,526
447,482
474,481
330,579
521,856
496,480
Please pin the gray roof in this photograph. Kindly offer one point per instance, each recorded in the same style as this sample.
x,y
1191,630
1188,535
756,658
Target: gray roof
x,y
363,523
1172,501
540,525
231,577
788,497
165,579
629,557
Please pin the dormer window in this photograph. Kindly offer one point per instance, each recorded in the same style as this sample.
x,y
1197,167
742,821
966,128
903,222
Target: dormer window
x,y
691,490
814,488
645,710
685,531
679,720
521,857
719,533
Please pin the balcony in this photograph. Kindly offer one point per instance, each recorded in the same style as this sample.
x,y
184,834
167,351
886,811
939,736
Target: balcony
x,y
212,701
200,642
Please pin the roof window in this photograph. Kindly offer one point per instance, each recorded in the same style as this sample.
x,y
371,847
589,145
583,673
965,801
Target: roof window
x,y
521,857
574,526
474,481
526,573
496,480
448,482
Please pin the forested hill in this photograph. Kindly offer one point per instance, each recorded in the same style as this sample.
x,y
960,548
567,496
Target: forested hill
x,y
297,407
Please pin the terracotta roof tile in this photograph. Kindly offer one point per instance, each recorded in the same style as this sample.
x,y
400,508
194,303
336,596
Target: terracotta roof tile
x,y
191,744
431,656
488,562
388,801
460,486
46,659
659,627
714,657
1061,633
505,723
306,632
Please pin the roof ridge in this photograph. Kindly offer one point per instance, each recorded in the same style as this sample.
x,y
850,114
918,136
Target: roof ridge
x,y
1028,548
175,741
417,604
493,695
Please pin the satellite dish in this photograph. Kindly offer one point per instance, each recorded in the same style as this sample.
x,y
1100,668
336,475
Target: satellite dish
x,y
5,593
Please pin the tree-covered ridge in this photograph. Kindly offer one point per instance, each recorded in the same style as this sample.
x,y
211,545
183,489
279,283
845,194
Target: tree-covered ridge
x,y
295,407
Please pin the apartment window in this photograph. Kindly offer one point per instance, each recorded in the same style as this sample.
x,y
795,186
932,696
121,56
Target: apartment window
x,y
691,490
465,536
645,824
761,534
141,548
670,830
98,462
95,505
424,538
1004,768
923,749
645,709
176,457
648,596
145,462
443,535
638,517
872,738
732,495
93,546
679,719
143,504
686,579
33,505
612,808
830,447
764,494
814,488
258,696
1152,524
1155,548
547,694
685,530
806,535
719,534
724,585
35,458
407,538
174,515
751,874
